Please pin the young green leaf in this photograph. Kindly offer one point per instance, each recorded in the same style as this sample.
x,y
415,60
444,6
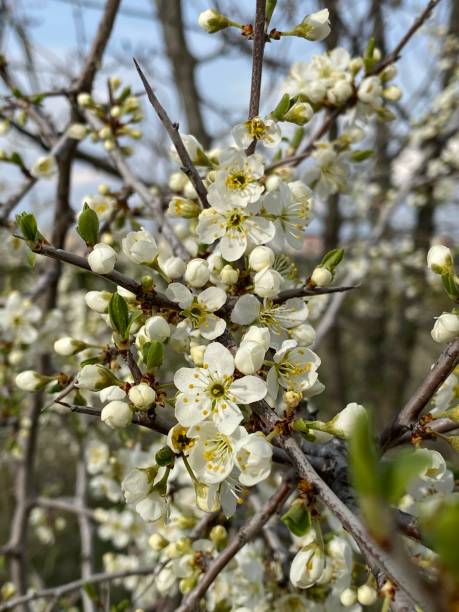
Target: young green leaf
x,y
297,518
88,225
119,314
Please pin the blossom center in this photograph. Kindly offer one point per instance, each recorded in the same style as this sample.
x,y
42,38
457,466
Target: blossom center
x,y
256,128
235,219
216,390
237,180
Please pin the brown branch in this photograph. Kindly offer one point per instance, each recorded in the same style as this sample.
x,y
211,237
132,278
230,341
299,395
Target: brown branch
x,y
394,55
309,292
172,129
104,30
244,535
408,415
257,65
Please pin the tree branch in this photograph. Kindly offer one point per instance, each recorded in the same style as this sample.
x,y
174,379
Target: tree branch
x,y
257,64
172,129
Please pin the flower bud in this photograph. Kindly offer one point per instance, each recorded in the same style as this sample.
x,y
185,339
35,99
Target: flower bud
x,y
267,283
300,113
213,21
439,259
182,207
348,597
140,247
446,328
321,277
95,377
197,272
218,535
340,92
142,396
366,595
261,257
165,457
102,258
157,542
370,90
197,354
304,334
116,414
174,267
77,131
111,393
307,566
292,399
229,275
44,167
84,100
342,425
29,380
68,346
177,181
98,300
392,93
249,357
313,27
157,328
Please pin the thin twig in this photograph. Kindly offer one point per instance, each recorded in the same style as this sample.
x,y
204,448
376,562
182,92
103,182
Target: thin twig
x,y
257,65
408,415
309,292
172,129
60,591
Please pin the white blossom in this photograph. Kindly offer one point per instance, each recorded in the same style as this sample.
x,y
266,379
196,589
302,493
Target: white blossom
x,y
140,247
116,414
102,258
446,328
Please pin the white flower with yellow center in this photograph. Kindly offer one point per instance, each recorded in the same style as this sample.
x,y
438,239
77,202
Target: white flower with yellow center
x,y
295,367
237,180
289,206
213,454
278,318
253,455
266,131
211,393
235,227
17,319
199,310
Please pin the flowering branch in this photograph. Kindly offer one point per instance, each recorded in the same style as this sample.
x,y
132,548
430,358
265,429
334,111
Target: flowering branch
x,y
247,533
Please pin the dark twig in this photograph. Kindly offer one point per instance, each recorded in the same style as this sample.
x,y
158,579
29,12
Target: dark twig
x,y
172,129
308,292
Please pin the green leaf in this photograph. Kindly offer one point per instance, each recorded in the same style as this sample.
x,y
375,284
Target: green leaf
x,y
297,137
90,590
282,107
297,518
399,471
362,155
15,158
270,6
153,354
442,535
125,93
119,314
450,285
88,225
28,226
331,259
367,480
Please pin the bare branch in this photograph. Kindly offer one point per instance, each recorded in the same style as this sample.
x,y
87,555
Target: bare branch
x,y
257,64
408,415
172,129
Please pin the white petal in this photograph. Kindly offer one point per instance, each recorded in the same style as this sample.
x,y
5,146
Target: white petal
x,y
246,310
197,377
260,230
233,246
212,298
248,389
212,328
227,416
211,225
189,409
179,294
218,360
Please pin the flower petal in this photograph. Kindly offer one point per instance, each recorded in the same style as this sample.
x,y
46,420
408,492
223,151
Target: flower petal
x,y
197,377
248,389
227,416
191,410
212,328
218,360
212,298
246,310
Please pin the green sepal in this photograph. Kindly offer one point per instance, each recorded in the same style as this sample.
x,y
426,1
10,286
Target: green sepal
x,y
297,518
